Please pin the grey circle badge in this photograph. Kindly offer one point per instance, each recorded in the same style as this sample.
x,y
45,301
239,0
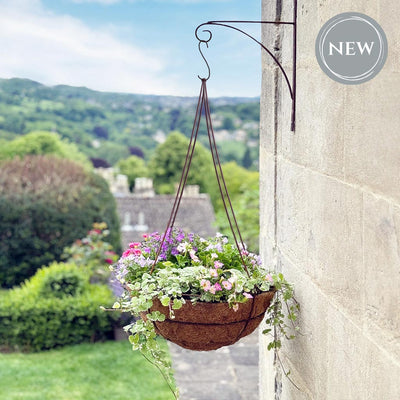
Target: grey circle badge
x,y
351,48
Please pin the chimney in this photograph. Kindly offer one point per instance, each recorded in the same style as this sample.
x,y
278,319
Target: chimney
x,y
143,187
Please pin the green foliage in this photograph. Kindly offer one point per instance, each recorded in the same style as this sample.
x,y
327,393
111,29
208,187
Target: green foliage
x,y
243,190
58,280
81,372
33,317
110,151
115,121
41,142
231,151
167,163
228,123
133,167
246,207
45,204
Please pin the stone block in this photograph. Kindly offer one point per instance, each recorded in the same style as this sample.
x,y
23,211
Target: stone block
x,y
267,111
292,222
388,20
382,374
371,139
320,229
335,243
358,368
306,355
318,139
382,268
266,371
267,191
345,358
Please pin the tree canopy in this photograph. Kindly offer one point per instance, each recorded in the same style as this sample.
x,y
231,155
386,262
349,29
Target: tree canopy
x,y
41,143
169,158
133,167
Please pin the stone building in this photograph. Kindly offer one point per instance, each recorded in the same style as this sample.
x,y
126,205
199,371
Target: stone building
x,y
144,212
330,216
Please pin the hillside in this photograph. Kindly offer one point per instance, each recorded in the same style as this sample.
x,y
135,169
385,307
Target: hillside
x,y
111,126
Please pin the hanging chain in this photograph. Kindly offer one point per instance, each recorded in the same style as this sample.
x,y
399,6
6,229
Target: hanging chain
x,y
204,106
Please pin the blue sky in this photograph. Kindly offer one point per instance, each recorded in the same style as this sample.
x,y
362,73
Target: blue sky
x,y
135,46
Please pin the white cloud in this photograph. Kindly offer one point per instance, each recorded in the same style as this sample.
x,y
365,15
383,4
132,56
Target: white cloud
x,y
54,49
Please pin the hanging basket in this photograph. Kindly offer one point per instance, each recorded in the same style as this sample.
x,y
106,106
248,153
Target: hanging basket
x,y
209,326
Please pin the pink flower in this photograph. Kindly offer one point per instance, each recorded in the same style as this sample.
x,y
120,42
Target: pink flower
x,y
248,295
217,287
126,253
205,285
193,256
227,285
136,252
108,261
214,273
218,264
134,244
212,289
145,235
269,278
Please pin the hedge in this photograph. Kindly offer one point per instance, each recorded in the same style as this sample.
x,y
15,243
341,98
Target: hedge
x,y
33,318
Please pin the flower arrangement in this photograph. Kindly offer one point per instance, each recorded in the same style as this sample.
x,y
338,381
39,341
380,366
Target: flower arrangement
x,y
184,269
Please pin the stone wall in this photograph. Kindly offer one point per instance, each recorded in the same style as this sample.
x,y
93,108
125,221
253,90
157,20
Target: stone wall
x,y
330,217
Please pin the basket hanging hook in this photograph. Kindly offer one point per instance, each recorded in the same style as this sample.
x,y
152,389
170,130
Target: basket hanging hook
x,y
205,41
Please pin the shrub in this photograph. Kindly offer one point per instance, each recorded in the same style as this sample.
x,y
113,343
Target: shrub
x,y
33,318
45,204
59,280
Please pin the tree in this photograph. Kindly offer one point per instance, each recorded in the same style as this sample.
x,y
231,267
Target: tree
x,y
46,203
167,163
100,132
110,151
243,188
40,143
99,163
133,167
228,123
136,151
247,161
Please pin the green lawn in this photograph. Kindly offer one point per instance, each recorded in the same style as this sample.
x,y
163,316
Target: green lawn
x,y
109,371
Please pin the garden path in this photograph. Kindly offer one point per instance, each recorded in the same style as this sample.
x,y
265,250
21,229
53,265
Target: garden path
x,y
229,373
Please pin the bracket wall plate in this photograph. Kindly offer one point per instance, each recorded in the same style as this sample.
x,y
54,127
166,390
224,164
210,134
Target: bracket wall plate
x,y
291,84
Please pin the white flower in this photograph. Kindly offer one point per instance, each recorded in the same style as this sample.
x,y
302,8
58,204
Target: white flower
x,y
182,247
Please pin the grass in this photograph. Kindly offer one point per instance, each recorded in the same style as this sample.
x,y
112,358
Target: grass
x,y
109,371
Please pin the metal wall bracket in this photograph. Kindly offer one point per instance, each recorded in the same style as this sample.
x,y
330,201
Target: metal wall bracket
x,y
228,24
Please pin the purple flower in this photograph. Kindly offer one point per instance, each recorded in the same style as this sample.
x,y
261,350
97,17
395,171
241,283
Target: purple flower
x,y
174,251
180,237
